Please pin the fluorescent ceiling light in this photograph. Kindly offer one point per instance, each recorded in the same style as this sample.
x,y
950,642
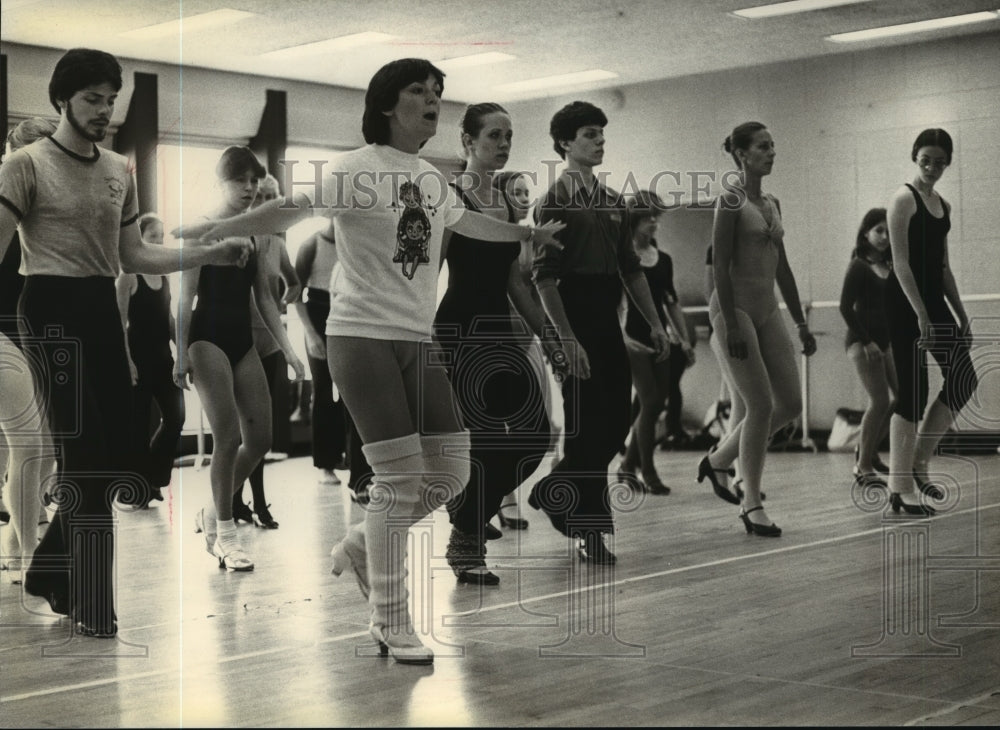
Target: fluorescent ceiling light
x,y
558,81
475,59
793,6
202,21
330,45
918,27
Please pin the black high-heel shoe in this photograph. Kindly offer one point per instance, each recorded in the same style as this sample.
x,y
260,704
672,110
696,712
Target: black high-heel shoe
x,y
628,478
558,520
591,548
57,599
918,510
705,469
655,486
880,466
262,518
97,632
511,523
771,530
465,558
242,513
739,491
929,488
871,479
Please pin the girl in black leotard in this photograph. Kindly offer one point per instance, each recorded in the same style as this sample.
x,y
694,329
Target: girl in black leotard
x,y
494,383
216,350
918,293
654,380
144,302
862,305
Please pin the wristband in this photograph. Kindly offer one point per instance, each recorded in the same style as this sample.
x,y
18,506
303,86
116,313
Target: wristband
x,y
531,236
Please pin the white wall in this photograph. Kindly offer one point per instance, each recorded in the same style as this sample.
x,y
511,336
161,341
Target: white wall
x,y
843,125
219,106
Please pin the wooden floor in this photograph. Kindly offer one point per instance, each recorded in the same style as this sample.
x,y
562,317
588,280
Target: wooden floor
x,y
849,618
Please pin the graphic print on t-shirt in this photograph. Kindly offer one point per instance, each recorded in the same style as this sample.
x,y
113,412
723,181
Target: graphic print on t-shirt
x,y
117,190
413,230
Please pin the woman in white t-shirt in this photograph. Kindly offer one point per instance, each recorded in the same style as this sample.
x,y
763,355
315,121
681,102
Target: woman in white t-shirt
x,y
390,209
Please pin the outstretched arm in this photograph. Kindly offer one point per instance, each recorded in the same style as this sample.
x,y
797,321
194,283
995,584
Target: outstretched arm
x,y
138,257
485,228
274,216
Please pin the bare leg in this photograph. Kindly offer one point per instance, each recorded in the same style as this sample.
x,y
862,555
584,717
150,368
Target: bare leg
x,y
872,373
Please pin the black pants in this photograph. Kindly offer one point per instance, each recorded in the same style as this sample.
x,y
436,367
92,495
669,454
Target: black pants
x,y
500,398
75,330
950,351
677,363
156,382
596,410
329,432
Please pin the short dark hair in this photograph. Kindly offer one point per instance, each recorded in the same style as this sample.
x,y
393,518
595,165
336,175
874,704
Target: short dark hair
x,y
80,68
740,139
568,120
642,205
862,248
237,160
933,138
383,93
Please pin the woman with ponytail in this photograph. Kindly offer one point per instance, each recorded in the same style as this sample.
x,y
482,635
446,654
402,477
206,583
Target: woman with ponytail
x,y
749,258
494,382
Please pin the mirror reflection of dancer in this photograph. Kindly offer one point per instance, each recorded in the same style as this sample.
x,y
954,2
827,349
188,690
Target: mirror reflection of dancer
x,y
494,383
25,442
862,305
71,262
749,257
580,287
918,292
216,351
144,303
390,209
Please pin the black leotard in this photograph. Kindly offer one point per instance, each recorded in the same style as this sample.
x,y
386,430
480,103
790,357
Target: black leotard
x,y
926,252
149,322
660,278
862,305
476,299
222,314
